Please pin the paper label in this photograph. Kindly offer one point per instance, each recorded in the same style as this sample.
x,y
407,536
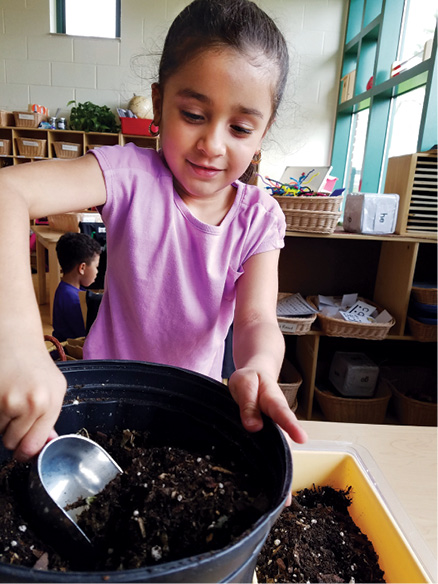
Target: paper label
x,y
25,116
29,143
70,147
288,327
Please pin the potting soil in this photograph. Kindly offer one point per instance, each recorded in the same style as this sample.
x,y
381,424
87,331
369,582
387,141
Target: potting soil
x,y
316,540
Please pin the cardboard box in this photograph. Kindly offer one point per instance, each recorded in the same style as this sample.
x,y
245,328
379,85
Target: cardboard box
x,y
347,86
353,374
374,213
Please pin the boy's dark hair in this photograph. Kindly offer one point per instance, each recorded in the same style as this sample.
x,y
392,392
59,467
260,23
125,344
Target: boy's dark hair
x,y
239,24
74,249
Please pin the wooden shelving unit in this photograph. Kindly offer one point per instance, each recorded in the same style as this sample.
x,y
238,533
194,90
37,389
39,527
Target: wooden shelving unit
x,y
414,178
11,135
380,268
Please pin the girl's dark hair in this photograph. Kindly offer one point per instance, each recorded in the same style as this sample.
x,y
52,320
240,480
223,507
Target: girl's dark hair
x,y
239,24
73,249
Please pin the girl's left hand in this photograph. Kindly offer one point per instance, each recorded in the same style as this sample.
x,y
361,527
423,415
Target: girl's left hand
x,y
256,392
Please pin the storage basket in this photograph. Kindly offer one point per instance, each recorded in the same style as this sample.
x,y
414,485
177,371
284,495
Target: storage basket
x,y
67,149
6,118
425,333
294,325
363,410
425,295
290,381
337,327
311,221
32,147
309,203
5,147
69,350
28,119
65,222
402,380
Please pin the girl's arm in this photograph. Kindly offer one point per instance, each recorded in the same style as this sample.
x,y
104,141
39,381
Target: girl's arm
x,y
258,349
31,386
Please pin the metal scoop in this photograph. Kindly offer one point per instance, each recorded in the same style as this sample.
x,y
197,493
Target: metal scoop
x,y
69,469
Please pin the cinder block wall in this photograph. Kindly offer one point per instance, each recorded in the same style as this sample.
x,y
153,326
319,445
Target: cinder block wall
x,y
39,67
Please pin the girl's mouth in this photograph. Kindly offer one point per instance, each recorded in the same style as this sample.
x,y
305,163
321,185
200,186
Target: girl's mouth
x,y
204,171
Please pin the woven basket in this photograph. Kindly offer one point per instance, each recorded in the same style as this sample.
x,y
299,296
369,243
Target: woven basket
x,y
296,325
368,410
409,410
32,147
426,333
309,203
6,118
311,221
425,295
65,222
67,149
5,147
28,119
337,327
290,381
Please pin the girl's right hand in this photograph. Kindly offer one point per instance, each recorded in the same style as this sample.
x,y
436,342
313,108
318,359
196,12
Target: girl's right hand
x,y
32,389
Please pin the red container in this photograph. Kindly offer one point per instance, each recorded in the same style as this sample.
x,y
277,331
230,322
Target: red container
x,y
137,126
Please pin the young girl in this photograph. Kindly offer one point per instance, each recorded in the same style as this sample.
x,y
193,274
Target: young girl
x,y
191,249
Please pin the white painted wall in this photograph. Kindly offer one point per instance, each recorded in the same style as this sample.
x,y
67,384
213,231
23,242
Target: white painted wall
x,y
50,69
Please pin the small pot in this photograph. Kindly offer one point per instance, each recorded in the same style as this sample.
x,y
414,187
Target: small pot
x,y
176,407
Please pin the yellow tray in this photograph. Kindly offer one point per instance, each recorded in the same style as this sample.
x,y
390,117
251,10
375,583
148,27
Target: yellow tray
x,y
374,509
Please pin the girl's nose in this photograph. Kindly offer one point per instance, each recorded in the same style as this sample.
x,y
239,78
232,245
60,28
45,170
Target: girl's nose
x,y
212,141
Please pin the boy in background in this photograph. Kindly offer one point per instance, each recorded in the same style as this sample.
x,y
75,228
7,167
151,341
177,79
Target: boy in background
x,y
79,256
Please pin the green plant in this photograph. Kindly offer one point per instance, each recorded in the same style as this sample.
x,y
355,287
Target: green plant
x,y
90,117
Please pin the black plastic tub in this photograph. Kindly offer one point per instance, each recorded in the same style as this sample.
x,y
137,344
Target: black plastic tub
x,y
180,408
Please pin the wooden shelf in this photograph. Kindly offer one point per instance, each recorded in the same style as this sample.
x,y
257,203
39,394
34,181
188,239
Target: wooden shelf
x,y
83,140
381,268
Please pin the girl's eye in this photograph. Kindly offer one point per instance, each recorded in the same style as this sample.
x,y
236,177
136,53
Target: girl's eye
x,y
191,117
240,130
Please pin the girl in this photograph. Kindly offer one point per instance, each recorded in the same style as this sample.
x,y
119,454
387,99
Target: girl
x,y
191,249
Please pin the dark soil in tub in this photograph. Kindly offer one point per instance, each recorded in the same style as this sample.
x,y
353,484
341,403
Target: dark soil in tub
x,y
171,503
316,540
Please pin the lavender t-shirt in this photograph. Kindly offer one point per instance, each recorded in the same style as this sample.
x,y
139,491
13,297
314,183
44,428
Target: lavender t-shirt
x,y
170,280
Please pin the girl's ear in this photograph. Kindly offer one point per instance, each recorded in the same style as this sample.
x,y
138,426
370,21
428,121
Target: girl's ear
x,y
157,100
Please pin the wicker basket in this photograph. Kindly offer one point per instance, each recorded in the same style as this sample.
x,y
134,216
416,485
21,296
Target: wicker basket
x,y
32,147
6,118
338,327
28,119
426,333
311,221
411,411
368,410
309,203
289,382
425,295
67,149
5,147
294,325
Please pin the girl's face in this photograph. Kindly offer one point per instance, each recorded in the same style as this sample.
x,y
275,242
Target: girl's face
x,y
213,114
